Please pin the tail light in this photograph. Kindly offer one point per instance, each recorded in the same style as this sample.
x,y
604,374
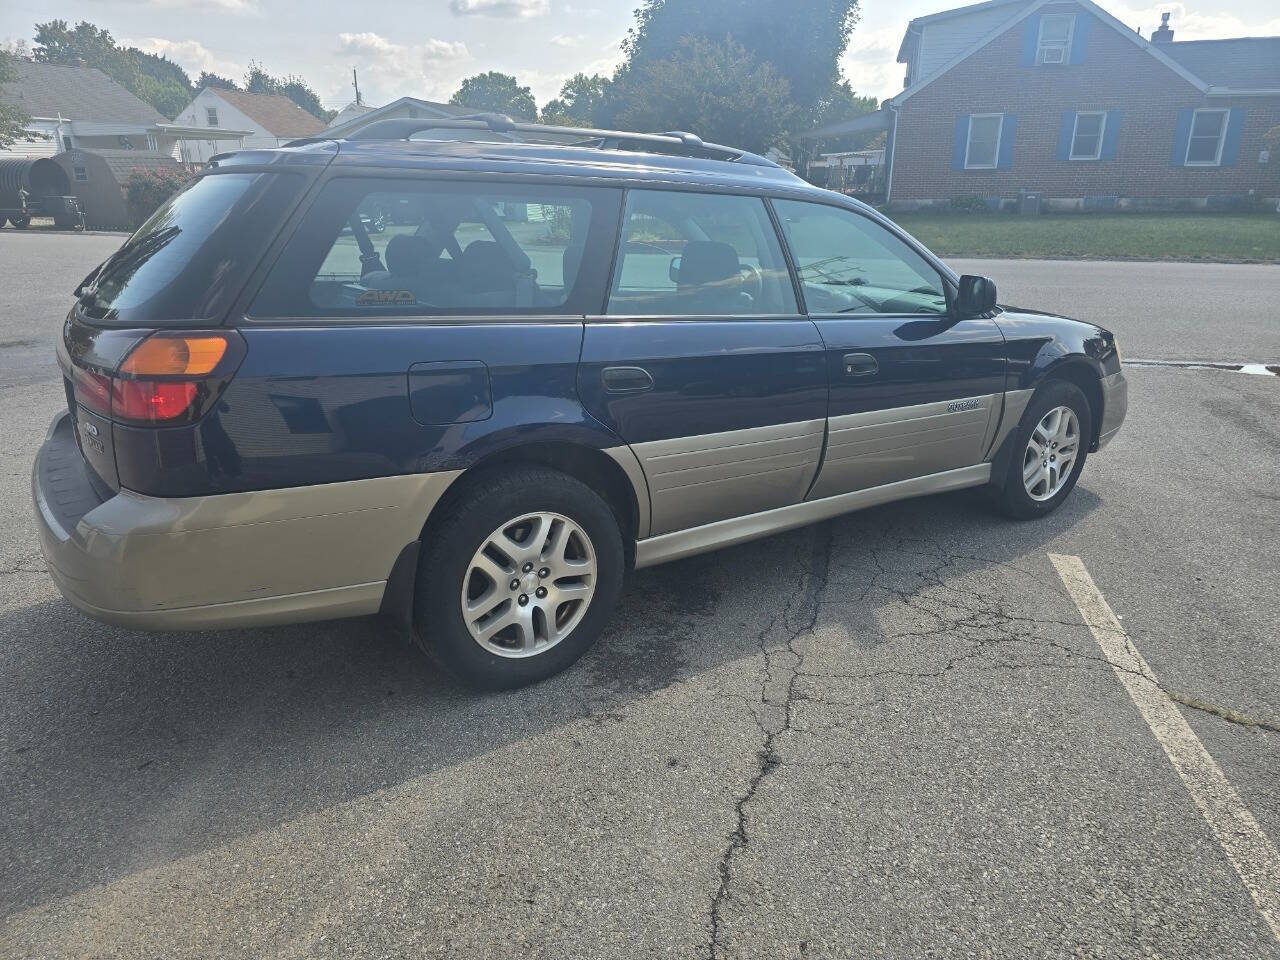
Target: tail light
x,y
167,379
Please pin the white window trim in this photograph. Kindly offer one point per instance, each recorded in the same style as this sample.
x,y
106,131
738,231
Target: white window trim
x,y
968,142
1066,47
1102,132
211,116
1222,137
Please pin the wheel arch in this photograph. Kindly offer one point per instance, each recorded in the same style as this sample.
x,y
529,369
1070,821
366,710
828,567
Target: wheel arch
x,y
613,472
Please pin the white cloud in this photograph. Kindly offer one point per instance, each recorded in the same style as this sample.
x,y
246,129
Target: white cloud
x,y
507,9
192,55
567,40
210,6
868,62
1194,24
430,70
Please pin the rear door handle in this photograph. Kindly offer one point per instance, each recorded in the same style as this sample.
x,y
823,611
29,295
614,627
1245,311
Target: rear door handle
x,y
626,379
860,365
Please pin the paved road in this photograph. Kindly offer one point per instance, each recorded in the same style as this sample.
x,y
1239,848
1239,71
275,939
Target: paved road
x,y
891,735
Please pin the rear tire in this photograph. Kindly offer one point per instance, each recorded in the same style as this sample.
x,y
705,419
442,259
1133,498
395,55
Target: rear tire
x,y
1048,451
518,578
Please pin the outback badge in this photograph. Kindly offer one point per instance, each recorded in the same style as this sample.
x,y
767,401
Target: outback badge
x,y
955,406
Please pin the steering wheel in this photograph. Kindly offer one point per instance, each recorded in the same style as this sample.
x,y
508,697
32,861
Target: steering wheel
x,y
752,281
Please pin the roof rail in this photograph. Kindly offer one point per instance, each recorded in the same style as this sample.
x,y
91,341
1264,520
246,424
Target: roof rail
x,y
675,141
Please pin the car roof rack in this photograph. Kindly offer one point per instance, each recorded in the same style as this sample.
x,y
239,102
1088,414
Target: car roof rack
x,y
673,141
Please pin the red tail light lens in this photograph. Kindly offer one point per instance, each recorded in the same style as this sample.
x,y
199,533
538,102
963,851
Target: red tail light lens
x,y
172,378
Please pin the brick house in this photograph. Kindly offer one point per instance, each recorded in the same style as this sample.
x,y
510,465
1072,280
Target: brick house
x,y
1060,97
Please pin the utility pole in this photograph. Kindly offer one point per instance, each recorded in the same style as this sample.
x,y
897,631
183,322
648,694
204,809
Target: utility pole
x,y
355,82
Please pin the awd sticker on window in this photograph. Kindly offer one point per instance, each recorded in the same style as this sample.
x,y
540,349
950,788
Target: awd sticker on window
x,y
386,298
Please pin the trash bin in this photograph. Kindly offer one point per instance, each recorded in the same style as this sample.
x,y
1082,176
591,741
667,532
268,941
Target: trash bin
x,y
1029,202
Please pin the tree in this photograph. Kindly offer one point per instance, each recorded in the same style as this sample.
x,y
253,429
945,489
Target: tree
x,y
802,44
257,80
717,89
13,121
840,104
581,102
208,79
495,92
154,79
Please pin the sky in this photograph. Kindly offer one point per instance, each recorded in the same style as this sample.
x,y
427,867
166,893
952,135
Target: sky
x,y
425,48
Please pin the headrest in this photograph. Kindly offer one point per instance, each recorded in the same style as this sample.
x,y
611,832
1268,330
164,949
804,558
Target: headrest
x,y
408,255
484,265
707,261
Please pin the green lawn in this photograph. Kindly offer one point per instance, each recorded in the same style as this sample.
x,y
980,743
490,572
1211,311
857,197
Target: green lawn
x,y
1139,236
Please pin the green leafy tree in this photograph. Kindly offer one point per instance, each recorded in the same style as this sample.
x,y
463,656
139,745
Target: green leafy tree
x,y
581,102
152,78
802,44
494,92
717,89
208,79
257,80
13,121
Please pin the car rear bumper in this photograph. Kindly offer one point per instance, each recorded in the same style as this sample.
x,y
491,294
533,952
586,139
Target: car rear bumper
x,y
1115,404
228,560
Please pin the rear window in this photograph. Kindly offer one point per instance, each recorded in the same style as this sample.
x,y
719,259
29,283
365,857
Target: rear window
x,y
186,263
385,248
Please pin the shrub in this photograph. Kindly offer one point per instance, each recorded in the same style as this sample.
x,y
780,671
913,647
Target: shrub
x,y
146,190
969,204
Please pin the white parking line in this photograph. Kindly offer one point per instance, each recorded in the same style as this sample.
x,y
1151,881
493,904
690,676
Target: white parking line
x,y
1258,369
1250,851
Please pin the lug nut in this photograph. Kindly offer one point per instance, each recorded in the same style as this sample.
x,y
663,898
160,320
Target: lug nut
x,y
544,572
541,592
524,600
527,567
515,583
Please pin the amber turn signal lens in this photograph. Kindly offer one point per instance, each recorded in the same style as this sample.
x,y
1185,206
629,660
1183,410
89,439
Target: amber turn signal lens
x,y
176,355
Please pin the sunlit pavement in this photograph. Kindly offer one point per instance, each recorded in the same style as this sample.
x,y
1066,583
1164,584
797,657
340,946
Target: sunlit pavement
x,y
891,735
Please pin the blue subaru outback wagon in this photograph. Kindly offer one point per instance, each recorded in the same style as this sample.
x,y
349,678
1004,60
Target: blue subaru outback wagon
x,y
470,384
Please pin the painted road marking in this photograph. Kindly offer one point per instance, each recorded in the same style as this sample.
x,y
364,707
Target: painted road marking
x,y
1258,369
1250,851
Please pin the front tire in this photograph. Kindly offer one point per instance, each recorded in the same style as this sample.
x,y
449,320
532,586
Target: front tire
x,y
1049,449
517,580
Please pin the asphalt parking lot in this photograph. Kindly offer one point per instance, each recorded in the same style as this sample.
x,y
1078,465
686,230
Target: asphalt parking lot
x,y
902,733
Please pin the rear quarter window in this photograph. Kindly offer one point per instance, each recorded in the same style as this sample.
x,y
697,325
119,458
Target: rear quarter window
x,y
186,264
379,248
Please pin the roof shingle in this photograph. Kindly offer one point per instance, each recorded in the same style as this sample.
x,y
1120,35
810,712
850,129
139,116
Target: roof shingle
x,y
1242,63
277,113
74,93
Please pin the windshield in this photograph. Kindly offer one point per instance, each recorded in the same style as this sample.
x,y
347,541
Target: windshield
x,y
187,262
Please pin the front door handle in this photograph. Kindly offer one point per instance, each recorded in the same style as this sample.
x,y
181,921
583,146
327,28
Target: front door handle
x,y
626,379
860,365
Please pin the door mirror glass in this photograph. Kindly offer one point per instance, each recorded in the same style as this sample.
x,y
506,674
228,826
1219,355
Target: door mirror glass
x,y
977,296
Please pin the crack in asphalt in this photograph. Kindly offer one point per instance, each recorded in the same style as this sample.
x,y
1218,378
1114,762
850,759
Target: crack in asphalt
x,y
812,584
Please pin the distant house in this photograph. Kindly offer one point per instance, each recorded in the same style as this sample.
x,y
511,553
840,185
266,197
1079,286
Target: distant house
x,y
270,119
82,108
1061,98
356,108
410,108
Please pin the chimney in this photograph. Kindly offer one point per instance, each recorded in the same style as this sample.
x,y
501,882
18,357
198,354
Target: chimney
x,y
1162,34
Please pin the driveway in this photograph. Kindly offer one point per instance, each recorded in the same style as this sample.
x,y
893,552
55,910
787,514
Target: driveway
x,y
909,732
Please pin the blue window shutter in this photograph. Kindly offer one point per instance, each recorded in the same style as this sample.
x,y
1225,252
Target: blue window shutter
x,y
1007,132
1231,146
961,143
1031,40
1066,130
1181,134
1110,133
1080,37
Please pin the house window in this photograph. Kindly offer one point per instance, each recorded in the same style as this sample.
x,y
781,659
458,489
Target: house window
x,y
211,116
66,142
1086,140
80,173
1054,43
983,149
1208,130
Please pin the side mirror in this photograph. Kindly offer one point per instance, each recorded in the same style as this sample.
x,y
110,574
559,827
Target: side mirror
x,y
673,271
977,296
